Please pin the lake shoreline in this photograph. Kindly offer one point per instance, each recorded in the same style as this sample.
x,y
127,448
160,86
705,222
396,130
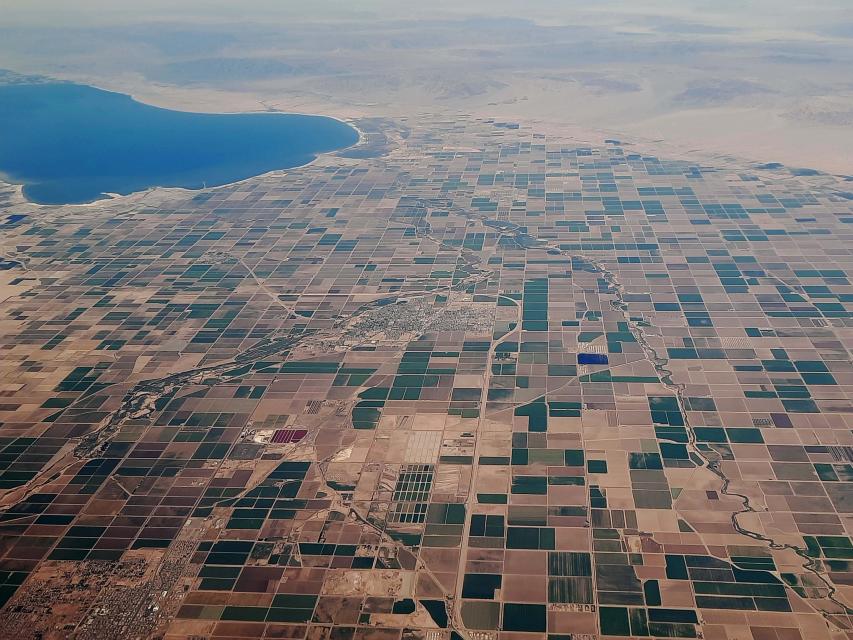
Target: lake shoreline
x,y
75,158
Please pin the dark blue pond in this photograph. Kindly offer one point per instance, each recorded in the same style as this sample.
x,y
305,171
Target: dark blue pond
x,y
69,143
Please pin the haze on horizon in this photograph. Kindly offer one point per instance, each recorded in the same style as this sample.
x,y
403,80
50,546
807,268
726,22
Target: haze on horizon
x,y
766,82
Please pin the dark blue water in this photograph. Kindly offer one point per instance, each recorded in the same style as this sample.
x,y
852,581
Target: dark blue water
x,y
70,143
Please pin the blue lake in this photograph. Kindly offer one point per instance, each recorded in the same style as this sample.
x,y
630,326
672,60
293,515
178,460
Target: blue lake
x,y
69,143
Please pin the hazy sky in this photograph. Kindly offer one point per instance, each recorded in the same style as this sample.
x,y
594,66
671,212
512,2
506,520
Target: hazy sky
x,y
761,14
